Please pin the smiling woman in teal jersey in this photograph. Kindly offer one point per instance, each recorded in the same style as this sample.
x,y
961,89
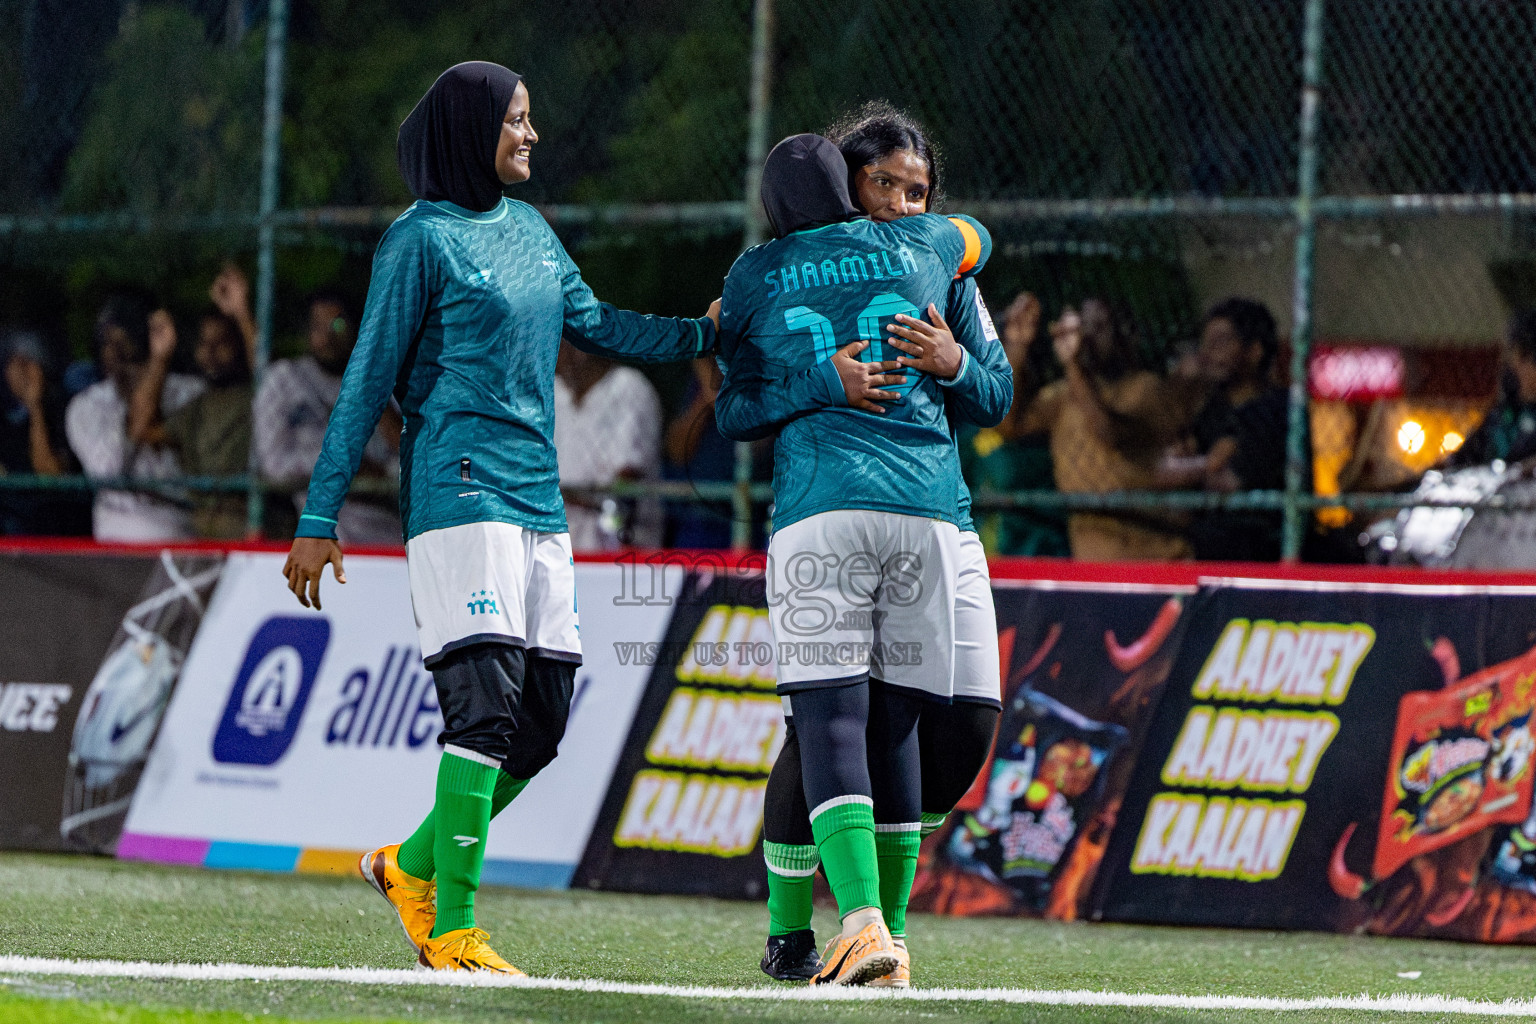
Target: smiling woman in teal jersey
x,y
470,296
863,556
894,173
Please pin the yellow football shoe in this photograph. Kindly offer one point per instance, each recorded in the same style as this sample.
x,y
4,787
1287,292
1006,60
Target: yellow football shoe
x,y
868,955
901,977
413,900
463,949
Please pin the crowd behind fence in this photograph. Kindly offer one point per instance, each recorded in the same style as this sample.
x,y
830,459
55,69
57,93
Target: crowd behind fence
x,y
1362,172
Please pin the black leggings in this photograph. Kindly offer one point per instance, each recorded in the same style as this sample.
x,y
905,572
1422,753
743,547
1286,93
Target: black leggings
x,y
953,743
503,704
860,739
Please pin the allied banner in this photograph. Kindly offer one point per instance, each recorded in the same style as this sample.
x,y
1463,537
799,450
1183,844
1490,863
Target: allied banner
x,y
1340,757
1084,666
683,812
300,738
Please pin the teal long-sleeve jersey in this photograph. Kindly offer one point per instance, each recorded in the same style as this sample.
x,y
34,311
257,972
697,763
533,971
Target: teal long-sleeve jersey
x,y
463,323
984,399
987,402
788,305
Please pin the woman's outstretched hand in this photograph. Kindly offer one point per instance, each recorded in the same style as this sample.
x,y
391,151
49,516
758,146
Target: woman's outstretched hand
x,y
929,347
864,383
306,563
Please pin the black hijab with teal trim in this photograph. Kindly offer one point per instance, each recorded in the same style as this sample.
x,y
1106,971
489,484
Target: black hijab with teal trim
x,y
446,148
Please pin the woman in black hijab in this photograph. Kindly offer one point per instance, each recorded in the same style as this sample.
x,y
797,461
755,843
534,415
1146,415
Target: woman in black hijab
x,y
471,293
468,136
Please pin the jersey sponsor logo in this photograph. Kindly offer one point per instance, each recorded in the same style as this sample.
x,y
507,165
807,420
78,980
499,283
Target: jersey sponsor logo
x,y
466,840
32,707
271,689
482,602
988,329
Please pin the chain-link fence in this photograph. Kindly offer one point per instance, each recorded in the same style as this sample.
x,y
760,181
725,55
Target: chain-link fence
x,y
1363,170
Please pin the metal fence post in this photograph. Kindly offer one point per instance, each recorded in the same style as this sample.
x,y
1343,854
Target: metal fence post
x,y
266,271
1296,446
759,101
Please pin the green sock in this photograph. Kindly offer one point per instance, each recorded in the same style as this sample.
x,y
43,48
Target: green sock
x,y
415,857
791,877
897,854
932,823
463,813
845,838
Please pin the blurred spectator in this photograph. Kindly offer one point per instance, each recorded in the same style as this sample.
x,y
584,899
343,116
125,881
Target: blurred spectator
x,y
96,424
230,294
1110,422
1508,432
698,453
78,376
1241,429
991,462
607,428
32,441
293,407
212,432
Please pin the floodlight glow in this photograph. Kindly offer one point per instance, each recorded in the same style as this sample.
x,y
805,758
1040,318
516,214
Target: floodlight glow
x,y
1410,436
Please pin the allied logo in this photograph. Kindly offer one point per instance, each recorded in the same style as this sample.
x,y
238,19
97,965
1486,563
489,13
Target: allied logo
x,y
267,701
483,602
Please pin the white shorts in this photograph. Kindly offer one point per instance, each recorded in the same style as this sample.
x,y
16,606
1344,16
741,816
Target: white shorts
x,y
978,672
493,583
855,593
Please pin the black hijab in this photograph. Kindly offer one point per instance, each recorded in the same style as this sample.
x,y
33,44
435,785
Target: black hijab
x,y
446,148
805,185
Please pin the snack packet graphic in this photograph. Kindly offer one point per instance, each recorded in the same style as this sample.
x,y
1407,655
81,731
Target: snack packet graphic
x,y
1046,778
1460,763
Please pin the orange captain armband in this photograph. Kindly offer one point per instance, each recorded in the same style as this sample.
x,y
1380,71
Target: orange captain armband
x,y
972,245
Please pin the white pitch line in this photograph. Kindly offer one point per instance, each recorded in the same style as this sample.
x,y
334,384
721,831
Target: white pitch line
x,y
29,965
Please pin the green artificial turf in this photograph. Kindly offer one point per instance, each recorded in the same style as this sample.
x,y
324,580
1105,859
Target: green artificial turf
x,y
89,908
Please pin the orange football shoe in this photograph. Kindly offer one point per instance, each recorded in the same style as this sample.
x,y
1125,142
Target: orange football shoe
x,y
413,900
463,949
868,955
901,977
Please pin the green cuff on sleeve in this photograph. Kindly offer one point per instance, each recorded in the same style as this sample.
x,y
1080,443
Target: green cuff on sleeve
x,y
965,364
316,526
